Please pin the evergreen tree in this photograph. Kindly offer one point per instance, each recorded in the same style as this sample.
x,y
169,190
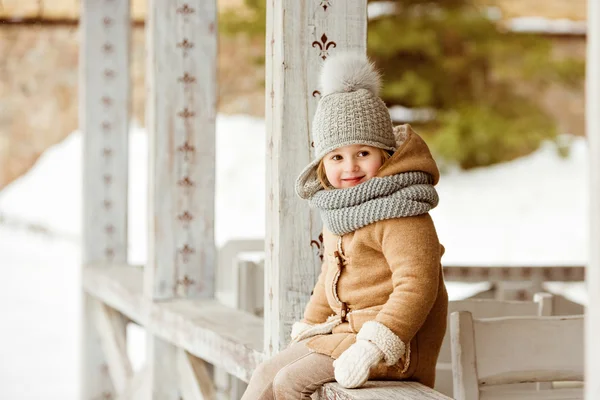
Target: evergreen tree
x,y
450,56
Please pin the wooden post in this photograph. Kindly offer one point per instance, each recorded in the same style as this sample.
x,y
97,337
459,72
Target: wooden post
x,y
300,35
104,122
592,320
181,82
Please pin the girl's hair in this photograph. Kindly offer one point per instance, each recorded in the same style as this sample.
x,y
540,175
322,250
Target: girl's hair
x,y
385,155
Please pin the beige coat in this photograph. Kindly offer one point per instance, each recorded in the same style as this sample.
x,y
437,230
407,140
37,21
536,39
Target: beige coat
x,y
389,272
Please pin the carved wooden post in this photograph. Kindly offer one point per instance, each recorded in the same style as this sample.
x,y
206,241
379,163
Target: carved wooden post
x,y
592,352
181,113
104,122
300,35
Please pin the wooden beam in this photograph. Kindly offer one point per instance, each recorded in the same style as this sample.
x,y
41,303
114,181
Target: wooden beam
x,y
592,351
381,391
194,379
181,71
181,112
104,121
137,387
300,35
223,336
112,331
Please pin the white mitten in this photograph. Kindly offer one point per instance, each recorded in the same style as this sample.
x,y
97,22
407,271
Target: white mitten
x,y
353,366
298,328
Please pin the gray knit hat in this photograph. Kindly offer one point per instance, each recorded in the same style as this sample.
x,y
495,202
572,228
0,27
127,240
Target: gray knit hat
x,y
349,112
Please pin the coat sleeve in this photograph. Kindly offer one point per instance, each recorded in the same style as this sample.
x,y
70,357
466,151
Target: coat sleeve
x,y
317,310
412,250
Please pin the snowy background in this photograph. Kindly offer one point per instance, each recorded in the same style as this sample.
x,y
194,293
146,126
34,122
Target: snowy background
x,y
529,211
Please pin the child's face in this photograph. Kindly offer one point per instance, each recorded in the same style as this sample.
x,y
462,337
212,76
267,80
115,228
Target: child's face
x,y
350,165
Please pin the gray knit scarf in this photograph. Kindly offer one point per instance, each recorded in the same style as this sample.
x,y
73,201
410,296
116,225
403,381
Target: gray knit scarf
x,y
402,195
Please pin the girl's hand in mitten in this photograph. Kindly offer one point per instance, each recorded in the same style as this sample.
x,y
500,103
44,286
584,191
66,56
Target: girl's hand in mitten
x,y
298,328
353,366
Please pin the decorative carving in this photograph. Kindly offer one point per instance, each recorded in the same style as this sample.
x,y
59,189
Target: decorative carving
x,y
186,282
324,46
185,182
107,179
319,246
107,21
186,251
186,149
325,4
109,73
107,204
106,152
505,272
185,217
107,101
185,10
106,126
109,229
107,48
187,78
185,44
186,113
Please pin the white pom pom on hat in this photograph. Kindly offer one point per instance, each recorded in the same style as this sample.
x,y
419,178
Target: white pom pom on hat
x,y
349,112
349,72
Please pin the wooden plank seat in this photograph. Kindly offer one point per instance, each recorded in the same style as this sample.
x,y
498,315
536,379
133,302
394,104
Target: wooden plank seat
x,y
380,390
220,335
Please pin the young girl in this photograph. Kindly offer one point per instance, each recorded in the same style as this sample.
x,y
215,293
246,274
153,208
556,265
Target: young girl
x,y
378,310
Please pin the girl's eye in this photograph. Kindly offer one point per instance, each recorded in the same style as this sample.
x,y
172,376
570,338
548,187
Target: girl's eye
x,y
336,157
363,153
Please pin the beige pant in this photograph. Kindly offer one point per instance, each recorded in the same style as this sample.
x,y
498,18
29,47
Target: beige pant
x,y
292,374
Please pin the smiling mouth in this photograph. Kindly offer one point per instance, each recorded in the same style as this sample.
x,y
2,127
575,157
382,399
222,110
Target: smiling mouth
x,y
353,179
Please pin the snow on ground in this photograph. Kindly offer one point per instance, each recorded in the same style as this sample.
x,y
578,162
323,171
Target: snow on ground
x,y
529,211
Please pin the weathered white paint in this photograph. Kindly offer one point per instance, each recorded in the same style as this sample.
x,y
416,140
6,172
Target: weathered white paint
x,y
380,390
163,377
181,110
300,34
483,308
112,330
104,84
228,338
137,388
592,370
496,351
194,379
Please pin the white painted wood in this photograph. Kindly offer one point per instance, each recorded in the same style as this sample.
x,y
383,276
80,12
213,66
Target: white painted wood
x,y
496,351
194,379
557,394
105,86
225,337
464,363
484,308
592,329
181,111
163,378
300,34
112,329
181,71
137,387
380,390
104,119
